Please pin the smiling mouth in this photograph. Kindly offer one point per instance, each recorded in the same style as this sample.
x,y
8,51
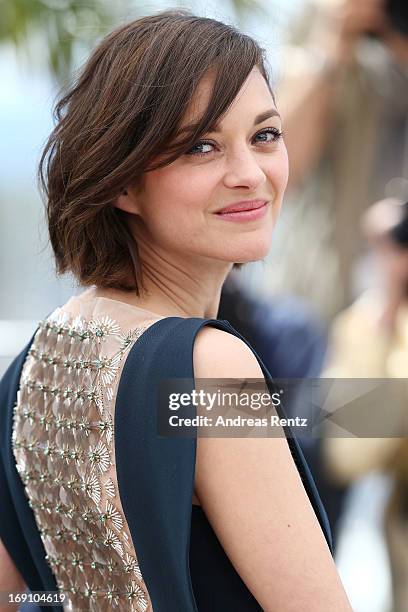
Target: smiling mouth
x,y
242,206
244,214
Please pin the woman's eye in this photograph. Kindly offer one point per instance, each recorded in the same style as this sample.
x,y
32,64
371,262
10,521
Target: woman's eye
x,y
199,144
269,135
274,132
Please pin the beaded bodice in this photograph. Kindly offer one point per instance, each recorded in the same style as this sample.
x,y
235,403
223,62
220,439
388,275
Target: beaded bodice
x,y
63,444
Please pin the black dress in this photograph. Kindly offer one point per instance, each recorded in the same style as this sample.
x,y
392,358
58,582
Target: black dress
x,y
183,565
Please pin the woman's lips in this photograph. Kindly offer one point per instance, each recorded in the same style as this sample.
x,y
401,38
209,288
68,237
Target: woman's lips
x,y
244,215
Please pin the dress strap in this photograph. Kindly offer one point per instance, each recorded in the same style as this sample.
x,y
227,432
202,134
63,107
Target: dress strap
x,y
156,474
18,529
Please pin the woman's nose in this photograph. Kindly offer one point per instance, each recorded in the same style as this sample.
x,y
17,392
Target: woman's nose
x,y
243,169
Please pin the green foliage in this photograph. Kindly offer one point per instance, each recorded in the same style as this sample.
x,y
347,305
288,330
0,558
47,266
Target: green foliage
x,y
56,26
52,30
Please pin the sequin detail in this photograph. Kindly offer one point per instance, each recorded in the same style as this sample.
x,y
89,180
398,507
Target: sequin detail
x,y
63,446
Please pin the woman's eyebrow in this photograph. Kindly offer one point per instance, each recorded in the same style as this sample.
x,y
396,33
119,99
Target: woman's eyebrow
x,y
272,112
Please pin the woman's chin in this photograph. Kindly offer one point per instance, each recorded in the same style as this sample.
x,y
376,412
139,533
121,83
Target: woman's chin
x,y
254,254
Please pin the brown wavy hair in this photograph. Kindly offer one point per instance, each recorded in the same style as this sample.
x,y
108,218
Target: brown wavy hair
x,y
123,110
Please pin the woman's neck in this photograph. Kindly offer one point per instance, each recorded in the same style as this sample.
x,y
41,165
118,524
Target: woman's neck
x,y
175,304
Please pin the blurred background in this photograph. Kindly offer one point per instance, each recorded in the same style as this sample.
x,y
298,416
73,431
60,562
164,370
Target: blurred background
x,y
331,298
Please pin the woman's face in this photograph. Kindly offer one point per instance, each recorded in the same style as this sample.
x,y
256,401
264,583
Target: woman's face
x,y
176,206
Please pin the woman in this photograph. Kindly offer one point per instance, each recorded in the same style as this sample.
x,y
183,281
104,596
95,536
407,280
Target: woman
x,y
169,130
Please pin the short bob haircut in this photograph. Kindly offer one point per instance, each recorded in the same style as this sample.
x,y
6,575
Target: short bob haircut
x,y
123,111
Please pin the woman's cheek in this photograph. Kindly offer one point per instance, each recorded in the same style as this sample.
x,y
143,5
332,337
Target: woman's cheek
x,y
194,187
283,167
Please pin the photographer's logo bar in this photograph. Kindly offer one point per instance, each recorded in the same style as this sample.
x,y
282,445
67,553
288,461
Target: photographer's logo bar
x,y
358,408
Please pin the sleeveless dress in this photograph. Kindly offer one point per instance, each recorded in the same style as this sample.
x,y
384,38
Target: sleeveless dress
x,y
95,504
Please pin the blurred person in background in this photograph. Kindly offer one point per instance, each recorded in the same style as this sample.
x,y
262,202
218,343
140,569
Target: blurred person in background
x,y
365,336
345,93
286,332
369,339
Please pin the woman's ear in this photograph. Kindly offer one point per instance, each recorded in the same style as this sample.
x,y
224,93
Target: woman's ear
x,y
127,201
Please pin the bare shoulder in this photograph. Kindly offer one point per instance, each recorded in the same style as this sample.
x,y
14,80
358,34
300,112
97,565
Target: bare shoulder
x,y
254,499
218,353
